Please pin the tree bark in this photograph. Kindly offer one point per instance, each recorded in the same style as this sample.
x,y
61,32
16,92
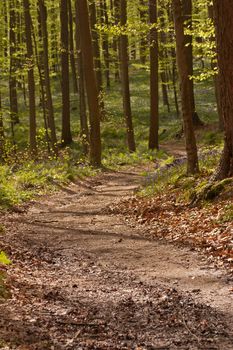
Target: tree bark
x,y
96,46
163,59
116,43
143,41
72,57
2,136
223,14
66,132
90,79
49,101
13,64
183,70
124,61
84,132
187,12
105,41
154,81
216,84
31,79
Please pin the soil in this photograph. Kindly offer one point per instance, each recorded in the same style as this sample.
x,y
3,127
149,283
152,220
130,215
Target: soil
x,y
83,278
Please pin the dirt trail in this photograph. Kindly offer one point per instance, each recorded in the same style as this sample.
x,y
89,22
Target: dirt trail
x,y
106,276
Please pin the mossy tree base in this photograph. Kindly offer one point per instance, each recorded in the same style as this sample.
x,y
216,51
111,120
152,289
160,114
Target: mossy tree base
x,y
210,190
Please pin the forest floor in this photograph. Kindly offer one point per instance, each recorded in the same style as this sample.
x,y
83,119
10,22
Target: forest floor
x,y
83,277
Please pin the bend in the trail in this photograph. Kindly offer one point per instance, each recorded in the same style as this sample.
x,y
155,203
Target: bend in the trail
x,y
73,229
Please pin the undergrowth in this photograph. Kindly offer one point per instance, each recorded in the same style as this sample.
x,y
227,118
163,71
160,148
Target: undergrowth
x,y
170,175
4,292
23,178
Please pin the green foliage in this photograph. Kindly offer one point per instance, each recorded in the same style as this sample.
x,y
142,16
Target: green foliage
x,y
227,215
4,259
213,137
141,156
22,181
172,177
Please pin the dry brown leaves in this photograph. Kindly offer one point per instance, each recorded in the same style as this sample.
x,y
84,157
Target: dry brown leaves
x,y
199,227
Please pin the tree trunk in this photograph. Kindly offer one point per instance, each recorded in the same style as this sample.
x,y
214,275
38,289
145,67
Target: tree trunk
x,y
105,41
31,79
72,57
116,43
187,12
90,79
2,136
84,132
163,59
154,82
183,69
223,13
38,47
49,101
174,82
125,79
143,41
97,56
66,132
96,46
13,64
216,84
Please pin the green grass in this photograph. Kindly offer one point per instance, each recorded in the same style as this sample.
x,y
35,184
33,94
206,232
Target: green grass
x,y
24,180
4,292
175,178
21,179
227,215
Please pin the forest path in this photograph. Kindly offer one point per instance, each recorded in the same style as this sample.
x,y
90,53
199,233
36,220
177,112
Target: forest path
x,y
91,281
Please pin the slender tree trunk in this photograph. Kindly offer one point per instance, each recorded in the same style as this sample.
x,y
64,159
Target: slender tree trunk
x,y
174,75
55,56
154,82
116,42
223,12
13,64
72,57
40,66
97,56
31,79
2,136
91,82
96,46
183,69
125,79
84,132
187,12
216,83
66,132
49,101
143,40
163,59
105,41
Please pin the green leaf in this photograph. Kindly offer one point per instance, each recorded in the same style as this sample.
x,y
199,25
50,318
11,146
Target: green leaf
x,y
4,259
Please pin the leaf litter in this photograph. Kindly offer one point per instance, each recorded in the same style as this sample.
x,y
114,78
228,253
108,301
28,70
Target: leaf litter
x,y
66,296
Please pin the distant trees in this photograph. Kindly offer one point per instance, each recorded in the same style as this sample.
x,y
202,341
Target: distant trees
x,y
95,46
